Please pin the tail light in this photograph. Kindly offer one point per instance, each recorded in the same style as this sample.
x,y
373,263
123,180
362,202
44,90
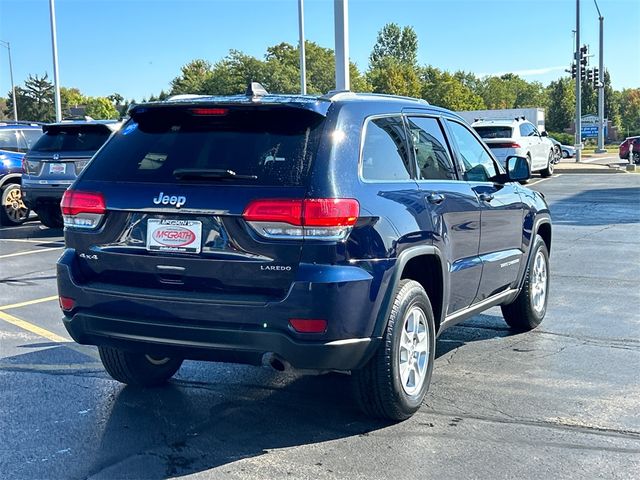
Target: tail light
x,y
316,218
82,209
505,145
30,167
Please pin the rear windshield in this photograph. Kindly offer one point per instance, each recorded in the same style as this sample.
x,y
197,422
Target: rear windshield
x,y
494,132
268,147
72,139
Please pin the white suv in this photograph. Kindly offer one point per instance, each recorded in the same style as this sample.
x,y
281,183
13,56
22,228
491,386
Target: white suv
x,y
517,137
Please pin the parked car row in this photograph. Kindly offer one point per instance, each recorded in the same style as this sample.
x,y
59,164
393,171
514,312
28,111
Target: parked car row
x,y
39,162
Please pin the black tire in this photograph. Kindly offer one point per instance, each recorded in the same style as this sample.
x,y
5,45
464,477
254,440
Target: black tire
x,y
378,387
50,216
522,314
636,158
138,369
13,211
547,172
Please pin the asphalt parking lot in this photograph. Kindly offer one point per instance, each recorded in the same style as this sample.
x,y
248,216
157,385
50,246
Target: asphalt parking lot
x,y
562,401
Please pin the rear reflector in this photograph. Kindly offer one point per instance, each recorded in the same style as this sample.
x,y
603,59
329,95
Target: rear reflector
x,y
213,112
319,218
82,209
66,303
304,325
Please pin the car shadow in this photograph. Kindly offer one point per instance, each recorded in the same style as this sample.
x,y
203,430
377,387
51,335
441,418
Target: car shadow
x,y
210,415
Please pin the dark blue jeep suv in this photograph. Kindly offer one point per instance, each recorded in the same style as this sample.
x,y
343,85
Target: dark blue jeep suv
x,y
334,233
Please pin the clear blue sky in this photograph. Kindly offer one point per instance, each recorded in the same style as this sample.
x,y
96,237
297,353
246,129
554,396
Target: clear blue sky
x,y
135,47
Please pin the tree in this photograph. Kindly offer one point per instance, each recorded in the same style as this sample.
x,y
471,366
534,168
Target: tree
x,y
70,98
193,79
446,90
35,100
397,43
630,110
562,104
611,101
100,108
393,77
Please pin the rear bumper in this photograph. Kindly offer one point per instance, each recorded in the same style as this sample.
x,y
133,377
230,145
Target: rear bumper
x,y
35,195
232,332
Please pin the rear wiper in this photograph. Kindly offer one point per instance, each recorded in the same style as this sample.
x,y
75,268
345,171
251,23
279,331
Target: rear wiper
x,y
211,173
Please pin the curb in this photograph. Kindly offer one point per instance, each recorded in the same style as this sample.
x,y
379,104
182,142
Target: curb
x,y
588,170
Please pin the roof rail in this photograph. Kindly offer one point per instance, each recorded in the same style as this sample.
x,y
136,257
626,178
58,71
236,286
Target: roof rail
x,y
184,96
333,95
399,97
4,123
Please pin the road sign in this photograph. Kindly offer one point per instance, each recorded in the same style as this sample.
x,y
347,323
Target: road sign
x,y
591,131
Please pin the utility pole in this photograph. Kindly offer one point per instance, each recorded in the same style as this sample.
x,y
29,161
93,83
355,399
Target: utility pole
x,y
303,61
54,47
341,25
577,56
601,125
13,87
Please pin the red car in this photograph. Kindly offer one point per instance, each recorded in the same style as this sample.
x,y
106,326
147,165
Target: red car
x,y
624,149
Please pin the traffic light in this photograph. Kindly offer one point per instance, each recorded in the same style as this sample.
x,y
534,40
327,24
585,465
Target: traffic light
x,y
596,77
573,70
589,78
583,72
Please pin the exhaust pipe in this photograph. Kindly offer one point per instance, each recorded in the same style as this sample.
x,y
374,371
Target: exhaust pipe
x,y
276,362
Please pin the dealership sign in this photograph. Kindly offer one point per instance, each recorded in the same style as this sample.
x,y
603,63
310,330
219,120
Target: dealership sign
x,y
590,126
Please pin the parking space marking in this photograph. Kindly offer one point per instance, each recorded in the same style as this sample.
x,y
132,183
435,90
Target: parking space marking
x,y
28,302
30,327
29,252
25,240
46,367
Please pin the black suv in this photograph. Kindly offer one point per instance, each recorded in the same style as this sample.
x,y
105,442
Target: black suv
x,y
334,233
55,161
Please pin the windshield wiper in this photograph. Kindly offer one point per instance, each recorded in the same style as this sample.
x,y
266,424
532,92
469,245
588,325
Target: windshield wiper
x,y
210,173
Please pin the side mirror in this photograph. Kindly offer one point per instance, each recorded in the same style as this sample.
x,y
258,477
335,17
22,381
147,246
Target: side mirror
x,y
518,169
544,134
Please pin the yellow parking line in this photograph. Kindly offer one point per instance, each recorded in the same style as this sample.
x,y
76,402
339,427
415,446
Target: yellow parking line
x,y
29,252
29,302
30,327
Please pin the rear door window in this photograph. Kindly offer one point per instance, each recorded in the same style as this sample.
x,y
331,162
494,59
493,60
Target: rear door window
x,y
385,154
256,147
429,146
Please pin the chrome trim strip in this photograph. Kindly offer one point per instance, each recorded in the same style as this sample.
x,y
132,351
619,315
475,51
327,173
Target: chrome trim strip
x,y
348,341
479,306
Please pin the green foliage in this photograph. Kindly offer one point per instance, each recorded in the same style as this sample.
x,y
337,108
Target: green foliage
x,y
34,100
100,108
194,76
563,138
394,42
446,90
562,104
630,110
393,77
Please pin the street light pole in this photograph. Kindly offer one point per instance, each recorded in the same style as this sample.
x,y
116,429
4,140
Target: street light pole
x,y
13,87
54,47
578,135
341,25
601,125
303,61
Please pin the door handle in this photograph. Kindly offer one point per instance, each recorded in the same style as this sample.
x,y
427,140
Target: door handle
x,y
486,197
435,198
